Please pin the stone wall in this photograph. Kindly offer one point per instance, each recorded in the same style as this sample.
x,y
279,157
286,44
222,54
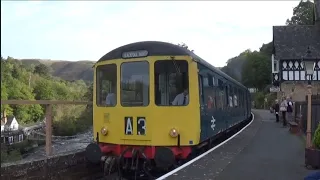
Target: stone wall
x,y
297,91
71,166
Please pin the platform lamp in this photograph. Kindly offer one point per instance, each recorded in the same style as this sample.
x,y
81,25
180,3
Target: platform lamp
x,y
309,64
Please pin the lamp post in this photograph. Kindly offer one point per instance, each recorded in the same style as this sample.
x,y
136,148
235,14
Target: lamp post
x,y
309,64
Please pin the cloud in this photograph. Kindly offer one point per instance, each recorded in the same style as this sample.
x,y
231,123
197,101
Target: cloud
x,y
216,30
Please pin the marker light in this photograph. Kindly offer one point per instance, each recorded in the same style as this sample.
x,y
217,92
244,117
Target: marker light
x,y
104,131
173,133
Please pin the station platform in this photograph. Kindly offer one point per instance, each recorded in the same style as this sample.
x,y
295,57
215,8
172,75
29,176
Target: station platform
x,y
263,151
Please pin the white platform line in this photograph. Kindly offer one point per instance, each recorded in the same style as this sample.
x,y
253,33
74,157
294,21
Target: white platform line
x,y
204,154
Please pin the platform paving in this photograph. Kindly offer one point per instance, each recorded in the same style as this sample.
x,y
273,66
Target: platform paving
x,y
263,151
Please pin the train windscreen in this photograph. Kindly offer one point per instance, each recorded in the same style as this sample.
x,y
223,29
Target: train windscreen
x,y
106,80
134,84
171,83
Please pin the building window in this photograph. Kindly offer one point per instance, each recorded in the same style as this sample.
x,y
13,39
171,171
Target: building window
x,y
135,84
10,139
275,65
20,137
106,81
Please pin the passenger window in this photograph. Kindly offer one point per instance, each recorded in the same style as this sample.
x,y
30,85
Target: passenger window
x,y
209,93
171,83
235,97
221,97
230,99
213,81
134,84
106,80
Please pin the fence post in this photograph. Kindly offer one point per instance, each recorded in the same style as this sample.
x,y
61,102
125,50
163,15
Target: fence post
x,y
48,129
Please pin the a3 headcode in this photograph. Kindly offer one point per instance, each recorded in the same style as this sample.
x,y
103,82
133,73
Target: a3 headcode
x,y
140,124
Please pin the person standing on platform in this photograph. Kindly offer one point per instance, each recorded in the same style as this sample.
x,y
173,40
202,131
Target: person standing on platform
x,y
276,108
283,110
289,109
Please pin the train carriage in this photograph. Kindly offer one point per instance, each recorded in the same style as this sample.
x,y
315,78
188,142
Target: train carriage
x,y
136,112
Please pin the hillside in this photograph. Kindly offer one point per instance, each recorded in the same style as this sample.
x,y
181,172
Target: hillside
x,y
67,70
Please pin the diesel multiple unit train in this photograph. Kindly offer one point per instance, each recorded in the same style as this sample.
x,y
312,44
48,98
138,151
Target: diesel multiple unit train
x,y
156,103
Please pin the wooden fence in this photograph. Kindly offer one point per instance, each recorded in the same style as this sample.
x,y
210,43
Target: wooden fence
x,y
300,114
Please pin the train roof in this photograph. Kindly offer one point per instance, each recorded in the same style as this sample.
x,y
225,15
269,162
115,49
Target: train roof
x,y
157,48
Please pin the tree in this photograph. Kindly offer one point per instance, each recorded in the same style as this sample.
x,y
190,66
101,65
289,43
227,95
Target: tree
x,y
42,69
303,14
267,49
44,90
256,71
235,64
15,79
185,46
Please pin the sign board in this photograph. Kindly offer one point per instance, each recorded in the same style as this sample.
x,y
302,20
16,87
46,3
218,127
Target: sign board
x,y
275,89
265,100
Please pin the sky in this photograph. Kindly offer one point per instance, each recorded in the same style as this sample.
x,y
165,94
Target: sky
x,y
84,30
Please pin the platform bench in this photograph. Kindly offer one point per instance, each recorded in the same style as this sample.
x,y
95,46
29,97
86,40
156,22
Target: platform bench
x,y
294,127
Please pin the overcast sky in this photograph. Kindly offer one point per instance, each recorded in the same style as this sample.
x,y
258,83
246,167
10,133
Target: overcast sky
x,y
83,30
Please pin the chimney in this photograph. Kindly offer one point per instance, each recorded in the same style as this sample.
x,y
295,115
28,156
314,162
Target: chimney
x,y
317,12
4,116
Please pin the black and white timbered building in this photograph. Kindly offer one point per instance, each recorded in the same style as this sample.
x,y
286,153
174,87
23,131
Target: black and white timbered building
x,y
290,45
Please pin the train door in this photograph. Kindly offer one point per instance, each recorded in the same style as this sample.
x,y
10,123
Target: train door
x,y
203,110
221,105
230,116
213,120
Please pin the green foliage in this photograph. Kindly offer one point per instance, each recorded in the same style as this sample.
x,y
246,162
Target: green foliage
x,y
42,70
316,137
9,156
234,66
256,71
259,99
303,14
66,70
253,69
20,83
184,45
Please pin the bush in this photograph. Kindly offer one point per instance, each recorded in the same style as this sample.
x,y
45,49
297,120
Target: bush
x,y
10,156
70,126
66,127
71,120
259,100
316,138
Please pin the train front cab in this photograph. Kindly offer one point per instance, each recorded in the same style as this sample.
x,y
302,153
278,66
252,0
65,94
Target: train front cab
x,y
141,113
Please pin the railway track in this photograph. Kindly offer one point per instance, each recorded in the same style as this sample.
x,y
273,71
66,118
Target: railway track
x,y
217,142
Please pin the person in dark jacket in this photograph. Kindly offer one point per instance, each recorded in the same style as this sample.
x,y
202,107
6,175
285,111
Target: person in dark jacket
x,y
276,108
289,109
